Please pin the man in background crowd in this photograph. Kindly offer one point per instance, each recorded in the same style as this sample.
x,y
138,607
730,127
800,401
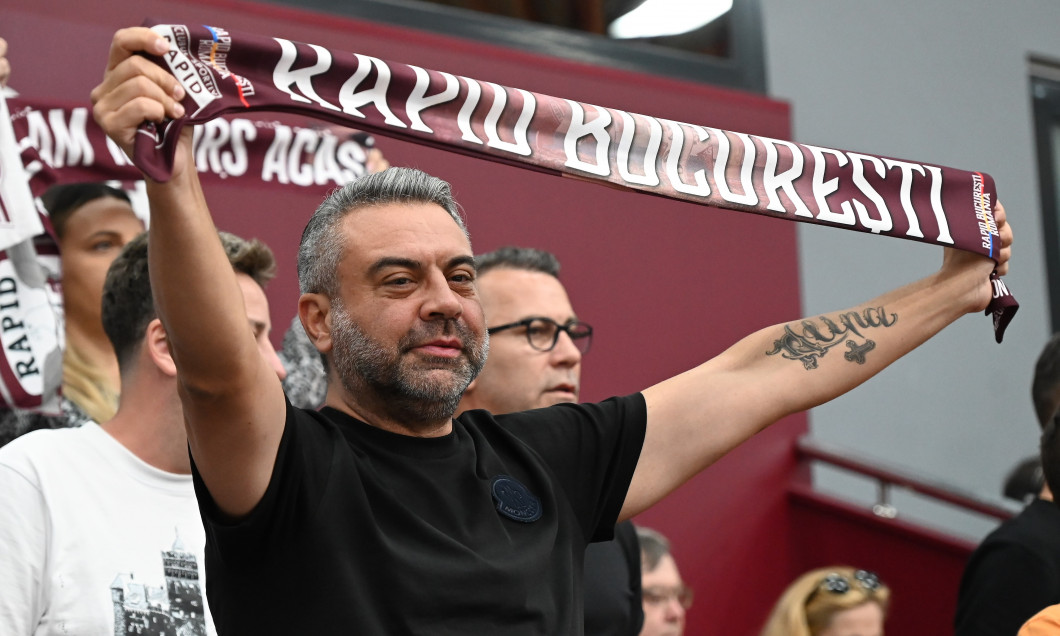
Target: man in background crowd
x,y
5,66
536,348
1015,571
666,597
99,525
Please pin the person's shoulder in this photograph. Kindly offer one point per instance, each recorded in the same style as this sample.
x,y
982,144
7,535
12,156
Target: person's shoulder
x,y
478,418
324,428
1039,517
48,441
1034,533
1041,520
33,457
16,423
1042,508
558,416
561,424
1046,621
325,419
611,407
517,423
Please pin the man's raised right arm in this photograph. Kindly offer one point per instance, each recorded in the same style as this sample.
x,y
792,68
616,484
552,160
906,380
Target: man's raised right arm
x,y
233,402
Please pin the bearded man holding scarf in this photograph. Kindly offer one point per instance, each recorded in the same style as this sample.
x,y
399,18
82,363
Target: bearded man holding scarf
x,y
384,514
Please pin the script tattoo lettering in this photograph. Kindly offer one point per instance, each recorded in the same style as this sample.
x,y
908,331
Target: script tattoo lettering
x,y
810,340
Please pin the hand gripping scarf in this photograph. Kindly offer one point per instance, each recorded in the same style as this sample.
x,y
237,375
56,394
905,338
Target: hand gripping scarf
x,y
43,144
224,72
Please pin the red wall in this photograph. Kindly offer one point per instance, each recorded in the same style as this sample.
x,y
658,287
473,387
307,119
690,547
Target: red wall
x,y
665,284
922,568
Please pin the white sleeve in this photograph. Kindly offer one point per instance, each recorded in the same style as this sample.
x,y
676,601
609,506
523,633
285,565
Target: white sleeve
x,y
23,537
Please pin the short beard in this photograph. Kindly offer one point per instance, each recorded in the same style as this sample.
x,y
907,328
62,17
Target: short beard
x,y
398,383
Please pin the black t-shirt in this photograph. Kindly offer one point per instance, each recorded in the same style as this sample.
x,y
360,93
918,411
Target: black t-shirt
x,y
482,531
1012,575
613,604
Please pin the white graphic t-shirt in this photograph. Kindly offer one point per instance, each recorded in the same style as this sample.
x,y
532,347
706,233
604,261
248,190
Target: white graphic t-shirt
x,y
95,541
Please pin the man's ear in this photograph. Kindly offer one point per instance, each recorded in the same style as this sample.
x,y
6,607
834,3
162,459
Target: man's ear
x,y
314,310
157,345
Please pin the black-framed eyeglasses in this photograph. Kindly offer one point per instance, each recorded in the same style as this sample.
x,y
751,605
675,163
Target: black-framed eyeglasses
x,y
836,583
543,333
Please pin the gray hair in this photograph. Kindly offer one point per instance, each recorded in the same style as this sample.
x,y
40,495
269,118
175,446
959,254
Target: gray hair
x,y
323,244
525,258
653,547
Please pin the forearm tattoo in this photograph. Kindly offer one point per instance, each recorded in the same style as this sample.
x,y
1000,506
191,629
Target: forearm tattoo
x,y
812,338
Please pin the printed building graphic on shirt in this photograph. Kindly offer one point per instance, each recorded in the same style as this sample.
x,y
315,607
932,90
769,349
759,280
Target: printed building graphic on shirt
x,y
175,609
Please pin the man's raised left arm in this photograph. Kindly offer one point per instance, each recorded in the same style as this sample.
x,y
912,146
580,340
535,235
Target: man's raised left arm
x,y
695,418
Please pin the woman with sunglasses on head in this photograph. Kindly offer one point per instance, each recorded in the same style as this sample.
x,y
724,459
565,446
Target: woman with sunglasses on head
x,y
833,601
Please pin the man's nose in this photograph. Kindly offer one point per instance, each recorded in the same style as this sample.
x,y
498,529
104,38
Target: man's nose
x,y
274,361
440,301
566,352
674,610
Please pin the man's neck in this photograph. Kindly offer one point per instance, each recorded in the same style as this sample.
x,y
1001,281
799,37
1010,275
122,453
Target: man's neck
x,y
375,413
150,423
1046,494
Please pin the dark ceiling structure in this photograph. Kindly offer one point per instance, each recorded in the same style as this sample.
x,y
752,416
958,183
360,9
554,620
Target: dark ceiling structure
x,y
726,52
593,16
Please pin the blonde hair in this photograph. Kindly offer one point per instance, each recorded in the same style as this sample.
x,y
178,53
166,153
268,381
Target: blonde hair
x,y
87,387
804,609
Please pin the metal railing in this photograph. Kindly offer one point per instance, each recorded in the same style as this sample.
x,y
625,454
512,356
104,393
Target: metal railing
x,y
888,478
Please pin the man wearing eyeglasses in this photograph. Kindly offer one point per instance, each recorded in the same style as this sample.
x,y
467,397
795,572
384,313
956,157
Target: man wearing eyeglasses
x,y
536,342
536,348
666,597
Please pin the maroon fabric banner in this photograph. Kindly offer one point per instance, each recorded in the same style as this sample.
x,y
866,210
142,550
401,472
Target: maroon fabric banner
x,y
62,144
59,144
224,72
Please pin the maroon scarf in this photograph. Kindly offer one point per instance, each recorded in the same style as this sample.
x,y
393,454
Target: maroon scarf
x,y
62,144
54,144
226,73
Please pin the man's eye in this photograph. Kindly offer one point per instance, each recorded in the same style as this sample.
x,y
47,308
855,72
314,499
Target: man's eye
x,y
103,246
399,281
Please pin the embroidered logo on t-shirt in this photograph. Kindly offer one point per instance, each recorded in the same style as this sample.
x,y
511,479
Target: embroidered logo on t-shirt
x,y
515,500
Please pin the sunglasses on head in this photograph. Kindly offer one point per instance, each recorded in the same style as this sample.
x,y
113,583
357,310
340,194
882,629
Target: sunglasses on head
x,y
836,583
